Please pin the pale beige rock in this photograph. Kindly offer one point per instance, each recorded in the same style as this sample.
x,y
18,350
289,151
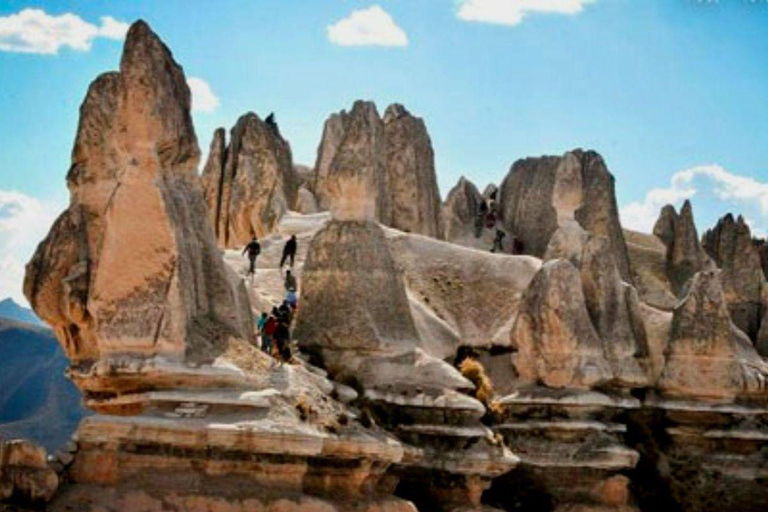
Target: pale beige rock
x,y
541,194
730,246
647,254
684,256
460,214
305,202
556,342
258,183
213,174
131,265
369,168
708,357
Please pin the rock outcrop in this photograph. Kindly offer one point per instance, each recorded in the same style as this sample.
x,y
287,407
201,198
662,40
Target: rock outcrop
x,y
707,356
460,211
131,266
685,255
250,184
387,164
356,319
540,194
25,474
730,246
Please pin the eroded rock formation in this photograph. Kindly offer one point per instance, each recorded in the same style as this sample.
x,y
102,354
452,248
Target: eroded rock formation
x,y
707,355
387,163
460,211
730,246
684,255
251,183
131,266
540,194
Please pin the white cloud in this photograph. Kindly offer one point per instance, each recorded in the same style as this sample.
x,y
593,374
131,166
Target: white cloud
x,y
24,222
203,98
512,12
35,31
725,186
367,27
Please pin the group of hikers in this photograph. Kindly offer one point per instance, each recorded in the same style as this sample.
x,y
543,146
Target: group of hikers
x,y
275,327
487,218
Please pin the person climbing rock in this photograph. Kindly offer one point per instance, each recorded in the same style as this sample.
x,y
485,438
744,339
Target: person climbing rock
x,y
290,282
498,241
283,342
269,332
253,249
260,323
270,120
289,251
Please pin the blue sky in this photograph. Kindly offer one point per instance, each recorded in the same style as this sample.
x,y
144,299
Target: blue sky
x,y
673,93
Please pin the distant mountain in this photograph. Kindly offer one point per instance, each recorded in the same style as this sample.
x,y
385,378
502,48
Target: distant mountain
x,y
12,311
37,401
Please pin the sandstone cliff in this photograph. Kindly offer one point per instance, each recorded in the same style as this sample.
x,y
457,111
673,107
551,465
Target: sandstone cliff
x,y
131,265
539,194
388,163
250,184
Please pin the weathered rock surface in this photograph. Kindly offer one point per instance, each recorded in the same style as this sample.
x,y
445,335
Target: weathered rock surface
x,y
648,255
730,245
382,169
684,256
250,184
25,474
460,211
708,357
131,266
540,194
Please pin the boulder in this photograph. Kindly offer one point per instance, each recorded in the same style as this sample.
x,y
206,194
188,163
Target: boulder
x,y
540,194
25,474
730,246
131,267
379,169
258,182
684,255
306,203
707,356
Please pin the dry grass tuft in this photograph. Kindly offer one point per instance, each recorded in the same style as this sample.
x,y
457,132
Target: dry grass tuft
x,y
475,373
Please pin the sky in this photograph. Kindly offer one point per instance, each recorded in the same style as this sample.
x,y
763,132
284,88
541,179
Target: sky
x,y
672,93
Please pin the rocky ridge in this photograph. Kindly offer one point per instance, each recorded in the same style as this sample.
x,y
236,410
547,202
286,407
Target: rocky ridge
x,y
580,394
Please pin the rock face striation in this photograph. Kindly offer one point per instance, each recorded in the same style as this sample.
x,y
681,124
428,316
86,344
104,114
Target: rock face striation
x,y
730,246
386,163
251,183
131,266
540,194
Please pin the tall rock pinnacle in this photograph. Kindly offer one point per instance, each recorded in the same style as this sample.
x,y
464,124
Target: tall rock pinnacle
x,y
131,266
250,183
541,194
383,169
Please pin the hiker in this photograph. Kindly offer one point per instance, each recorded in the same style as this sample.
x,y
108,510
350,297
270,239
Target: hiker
x,y
270,120
490,220
285,313
253,249
270,324
260,323
290,282
292,299
289,251
282,342
498,241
